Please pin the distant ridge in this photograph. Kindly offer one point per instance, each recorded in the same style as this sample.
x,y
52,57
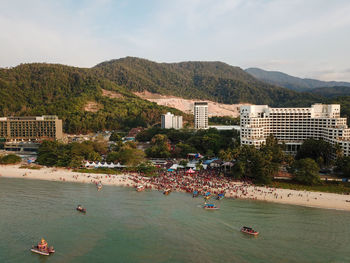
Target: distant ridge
x,y
291,82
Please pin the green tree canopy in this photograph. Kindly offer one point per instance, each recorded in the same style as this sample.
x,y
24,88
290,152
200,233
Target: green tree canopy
x,y
343,166
315,149
115,137
306,171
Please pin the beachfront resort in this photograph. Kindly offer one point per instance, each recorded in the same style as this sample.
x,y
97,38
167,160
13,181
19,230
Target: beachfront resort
x,y
221,159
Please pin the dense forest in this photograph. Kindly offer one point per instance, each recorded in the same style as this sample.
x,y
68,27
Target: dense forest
x,y
332,92
214,81
101,98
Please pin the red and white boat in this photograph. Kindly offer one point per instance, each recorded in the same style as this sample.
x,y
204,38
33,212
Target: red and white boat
x,y
249,231
42,248
210,207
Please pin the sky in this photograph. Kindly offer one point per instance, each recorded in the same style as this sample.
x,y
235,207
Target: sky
x,y
304,38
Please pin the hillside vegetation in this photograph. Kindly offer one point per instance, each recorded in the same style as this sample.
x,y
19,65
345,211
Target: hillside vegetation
x,y
43,89
332,92
214,81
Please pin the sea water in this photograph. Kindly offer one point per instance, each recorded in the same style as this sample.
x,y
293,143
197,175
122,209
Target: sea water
x,y
122,225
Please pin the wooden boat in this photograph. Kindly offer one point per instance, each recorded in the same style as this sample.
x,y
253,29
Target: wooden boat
x,y
210,207
140,188
42,248
195,194
249,231
167,191
81,209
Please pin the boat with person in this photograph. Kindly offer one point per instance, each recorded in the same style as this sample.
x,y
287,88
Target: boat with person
x,y
81,209
210,207
42,248
167,191
140,188
207,195
249,231
220,196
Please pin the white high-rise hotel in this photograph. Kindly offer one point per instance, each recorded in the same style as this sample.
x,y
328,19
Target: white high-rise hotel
x,y
201,115
294,125
171,121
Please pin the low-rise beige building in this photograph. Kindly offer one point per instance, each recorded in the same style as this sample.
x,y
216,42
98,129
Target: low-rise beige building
x,y
31,128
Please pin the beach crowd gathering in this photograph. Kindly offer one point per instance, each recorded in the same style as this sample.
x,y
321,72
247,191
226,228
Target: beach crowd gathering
x,y
180,181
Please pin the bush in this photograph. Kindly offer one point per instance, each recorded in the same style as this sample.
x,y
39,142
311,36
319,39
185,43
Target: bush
x,y
10,159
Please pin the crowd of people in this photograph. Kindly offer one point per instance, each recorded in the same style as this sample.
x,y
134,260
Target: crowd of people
x,y
201,181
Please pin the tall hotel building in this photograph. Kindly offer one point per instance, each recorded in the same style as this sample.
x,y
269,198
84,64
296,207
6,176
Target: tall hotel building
x,y
171,121
201,115
294,125
30,128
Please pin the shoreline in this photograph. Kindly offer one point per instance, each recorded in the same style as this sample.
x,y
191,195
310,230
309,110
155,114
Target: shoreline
x,y
236,190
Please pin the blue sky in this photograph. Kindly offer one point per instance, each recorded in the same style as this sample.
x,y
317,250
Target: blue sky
x,y
306,38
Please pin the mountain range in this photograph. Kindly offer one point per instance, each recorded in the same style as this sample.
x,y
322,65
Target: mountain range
x,y
295,83
102,97
215,81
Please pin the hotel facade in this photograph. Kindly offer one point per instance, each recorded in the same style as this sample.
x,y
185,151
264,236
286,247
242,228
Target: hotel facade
x,y
171,121
294,125
201,115
30,128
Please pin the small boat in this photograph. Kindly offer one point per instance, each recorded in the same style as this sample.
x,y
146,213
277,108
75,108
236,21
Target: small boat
x,y
81,209
99,186
195,194
207,195
220,196
42,248
140,188
249,231
167,191
210,207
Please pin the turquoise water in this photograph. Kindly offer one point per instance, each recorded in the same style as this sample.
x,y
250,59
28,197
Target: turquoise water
x,y
122,225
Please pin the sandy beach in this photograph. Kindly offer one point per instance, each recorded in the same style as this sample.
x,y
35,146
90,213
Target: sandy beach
x,y
235,189
64,175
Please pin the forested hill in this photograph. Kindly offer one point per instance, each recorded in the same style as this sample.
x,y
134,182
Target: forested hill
x,y
214,81
85,101
291,82
332,92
